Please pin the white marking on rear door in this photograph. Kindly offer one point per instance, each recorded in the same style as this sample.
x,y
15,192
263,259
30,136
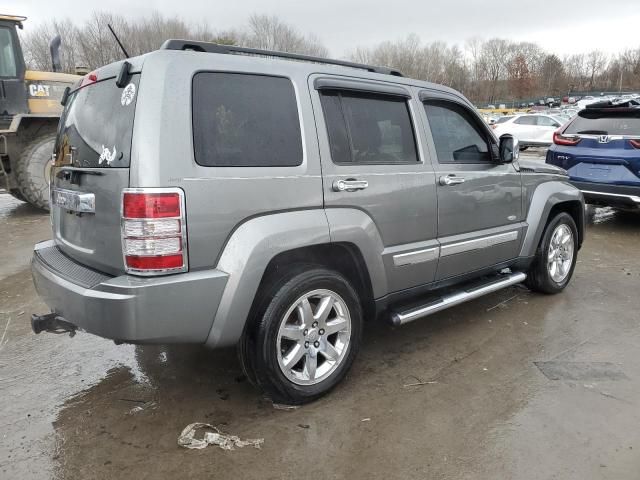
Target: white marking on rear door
x,y
128,94
106,156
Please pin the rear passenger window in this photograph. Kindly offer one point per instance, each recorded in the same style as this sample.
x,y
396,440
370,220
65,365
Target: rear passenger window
x,y
527,120
242,120
368,128
547,122
456,136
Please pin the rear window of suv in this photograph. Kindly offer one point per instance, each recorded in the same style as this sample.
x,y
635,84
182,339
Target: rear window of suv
x,y
618,125
96,126
245,120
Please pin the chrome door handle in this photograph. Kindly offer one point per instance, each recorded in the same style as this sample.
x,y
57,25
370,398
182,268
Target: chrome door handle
x,y
349,185
450,180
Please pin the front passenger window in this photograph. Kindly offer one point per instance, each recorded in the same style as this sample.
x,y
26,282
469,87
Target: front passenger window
x,y
457,137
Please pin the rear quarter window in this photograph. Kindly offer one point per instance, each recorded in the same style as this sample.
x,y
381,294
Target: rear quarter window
x,y
245,120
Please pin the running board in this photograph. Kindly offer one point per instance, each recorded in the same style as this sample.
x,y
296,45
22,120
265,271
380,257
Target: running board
x,y
405,316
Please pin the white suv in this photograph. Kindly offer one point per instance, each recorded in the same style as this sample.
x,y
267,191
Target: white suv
x,y
532,130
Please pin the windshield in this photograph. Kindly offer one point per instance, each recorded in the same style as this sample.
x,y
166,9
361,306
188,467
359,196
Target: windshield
x,y
7,54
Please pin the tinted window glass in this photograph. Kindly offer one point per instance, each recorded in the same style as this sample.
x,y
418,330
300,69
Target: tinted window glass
x,y
605,126
7,55
503,119
95,128
244,120
457,137
367,128
526,120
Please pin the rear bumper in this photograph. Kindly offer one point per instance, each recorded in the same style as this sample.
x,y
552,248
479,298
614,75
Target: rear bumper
x,y
170,309
609,194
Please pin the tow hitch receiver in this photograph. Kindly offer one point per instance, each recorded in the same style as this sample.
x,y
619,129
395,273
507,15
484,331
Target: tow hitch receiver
x,y
52,323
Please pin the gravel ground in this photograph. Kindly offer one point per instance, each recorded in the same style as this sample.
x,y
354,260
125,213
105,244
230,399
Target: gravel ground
x,y
513,385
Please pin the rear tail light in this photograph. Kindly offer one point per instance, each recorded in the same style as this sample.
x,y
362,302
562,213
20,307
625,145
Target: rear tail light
x,y
568,140
635,143
154,240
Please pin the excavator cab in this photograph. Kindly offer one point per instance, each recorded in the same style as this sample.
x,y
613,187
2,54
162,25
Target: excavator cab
x,y
12,69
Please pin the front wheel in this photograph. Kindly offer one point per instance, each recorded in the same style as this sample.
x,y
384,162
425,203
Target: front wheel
x,y
33,170
304,335
555,258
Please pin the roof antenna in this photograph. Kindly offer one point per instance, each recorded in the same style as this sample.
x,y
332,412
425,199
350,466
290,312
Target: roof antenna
x,y
118,40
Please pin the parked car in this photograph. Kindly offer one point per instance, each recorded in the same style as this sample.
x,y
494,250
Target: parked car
x,y
226,196
600,149
531,130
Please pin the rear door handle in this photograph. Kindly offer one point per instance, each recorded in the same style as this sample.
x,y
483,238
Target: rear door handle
x,y
349,185
450,180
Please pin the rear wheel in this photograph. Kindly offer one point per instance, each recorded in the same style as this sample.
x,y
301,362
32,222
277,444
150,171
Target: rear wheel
x,y
555,258
33,170
304,335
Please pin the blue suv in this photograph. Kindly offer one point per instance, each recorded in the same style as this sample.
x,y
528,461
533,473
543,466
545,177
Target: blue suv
x,y
600,148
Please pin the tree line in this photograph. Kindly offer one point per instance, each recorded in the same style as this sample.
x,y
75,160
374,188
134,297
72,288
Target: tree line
x,y
485,70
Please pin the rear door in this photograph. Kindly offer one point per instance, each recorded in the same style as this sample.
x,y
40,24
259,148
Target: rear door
x,y
373,162
480,217
524,128
92,156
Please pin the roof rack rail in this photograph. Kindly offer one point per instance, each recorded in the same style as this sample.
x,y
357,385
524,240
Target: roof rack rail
x,y
209,47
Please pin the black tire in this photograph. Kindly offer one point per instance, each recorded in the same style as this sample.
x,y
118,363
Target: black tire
x,y
539,278
30,170
258,349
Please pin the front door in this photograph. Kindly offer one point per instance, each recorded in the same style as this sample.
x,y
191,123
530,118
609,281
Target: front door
x,y
480,217
375,174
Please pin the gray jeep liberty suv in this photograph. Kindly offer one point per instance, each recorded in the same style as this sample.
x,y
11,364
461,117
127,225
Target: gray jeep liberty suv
x,y
227,196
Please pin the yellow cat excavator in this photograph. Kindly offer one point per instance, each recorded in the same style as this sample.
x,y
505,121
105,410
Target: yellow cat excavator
x,y
29,113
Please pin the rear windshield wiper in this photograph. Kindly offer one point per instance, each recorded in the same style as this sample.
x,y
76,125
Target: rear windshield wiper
x,y
593,132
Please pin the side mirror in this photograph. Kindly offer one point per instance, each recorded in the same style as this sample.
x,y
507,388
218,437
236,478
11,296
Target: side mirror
x,y
509,148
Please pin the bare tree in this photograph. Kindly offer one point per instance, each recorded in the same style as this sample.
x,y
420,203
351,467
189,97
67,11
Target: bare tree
x,y
596,62
270,33
485,70
35,45
552,75
495,54
92,44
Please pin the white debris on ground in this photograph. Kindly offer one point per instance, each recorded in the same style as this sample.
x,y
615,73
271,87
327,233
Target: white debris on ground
x,y
215,437
280,406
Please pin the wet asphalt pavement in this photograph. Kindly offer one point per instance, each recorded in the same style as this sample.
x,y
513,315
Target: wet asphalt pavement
x,y
513,385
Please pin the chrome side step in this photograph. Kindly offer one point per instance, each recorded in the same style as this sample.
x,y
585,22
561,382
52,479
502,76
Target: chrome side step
x,y
405,316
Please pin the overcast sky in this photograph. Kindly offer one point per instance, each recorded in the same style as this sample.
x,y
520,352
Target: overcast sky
x,y
560,26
